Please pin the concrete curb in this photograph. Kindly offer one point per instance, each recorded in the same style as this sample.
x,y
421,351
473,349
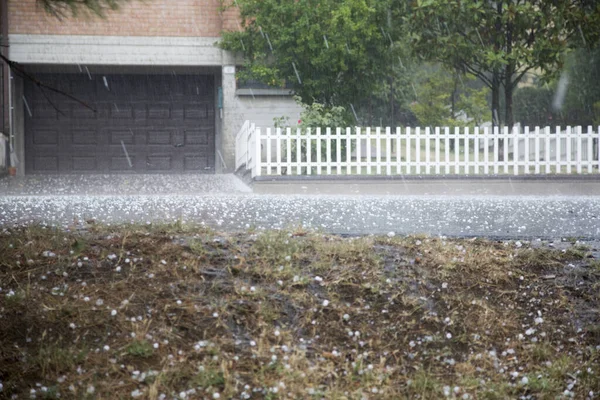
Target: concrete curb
x,y
425,178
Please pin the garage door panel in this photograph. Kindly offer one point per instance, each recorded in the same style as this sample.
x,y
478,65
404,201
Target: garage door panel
x,y
45,137
122,111
159,111
133,131
42,111
159,162
45,163
196,136
84,163
83,137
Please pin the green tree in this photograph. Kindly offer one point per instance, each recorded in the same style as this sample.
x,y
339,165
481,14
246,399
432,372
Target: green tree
x,y
535,105
445,97
333,52
500,41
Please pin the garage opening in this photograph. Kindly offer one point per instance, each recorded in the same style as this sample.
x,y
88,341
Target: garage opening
x,y
143,123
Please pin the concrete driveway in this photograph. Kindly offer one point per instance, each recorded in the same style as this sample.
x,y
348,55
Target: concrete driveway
x,y
225,203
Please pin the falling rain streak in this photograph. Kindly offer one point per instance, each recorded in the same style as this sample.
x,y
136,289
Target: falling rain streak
x,y
326,43
354,112
561,92
269,41
27,106
297,74
126,154
106,83
88,72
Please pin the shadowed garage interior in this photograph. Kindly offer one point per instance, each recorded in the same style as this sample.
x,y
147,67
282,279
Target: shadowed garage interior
x,y
143,123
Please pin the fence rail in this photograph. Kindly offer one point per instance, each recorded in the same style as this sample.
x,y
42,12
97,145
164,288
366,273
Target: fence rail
x,y
417,151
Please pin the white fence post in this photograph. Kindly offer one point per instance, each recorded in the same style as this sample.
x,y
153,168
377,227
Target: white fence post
x,y
526,158
299,151
437,150
319,155
398,152
590,147
338,150
408,155
388,151
257,153
378,150
288,151
348,151
328,149
579,150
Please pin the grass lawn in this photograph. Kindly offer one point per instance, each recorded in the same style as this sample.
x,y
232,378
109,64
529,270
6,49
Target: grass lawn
x,y
164,312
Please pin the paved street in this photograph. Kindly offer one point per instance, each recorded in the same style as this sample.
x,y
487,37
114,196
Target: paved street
x,y
227,204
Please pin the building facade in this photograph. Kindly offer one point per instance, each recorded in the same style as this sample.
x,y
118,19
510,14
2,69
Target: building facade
x,y
146,89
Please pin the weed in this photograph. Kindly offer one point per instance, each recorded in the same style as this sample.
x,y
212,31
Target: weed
x,y
139,348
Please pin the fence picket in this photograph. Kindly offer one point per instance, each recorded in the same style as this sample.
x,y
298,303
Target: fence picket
x,y
447,150
348,151
437,150
319,160
558,150
496,149
457,151
328,150
505,147
278,152
569,150
590,153
486,150
388,151
476,150
257,155
298,152
547,148
515,136
537,150
288,151
378,151
268,163
579,150
418,149
427,151
358,153
398,152
408,158
338,150
526,158
467,157
368,150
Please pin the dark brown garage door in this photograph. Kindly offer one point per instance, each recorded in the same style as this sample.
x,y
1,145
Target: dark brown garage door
x,y
143,124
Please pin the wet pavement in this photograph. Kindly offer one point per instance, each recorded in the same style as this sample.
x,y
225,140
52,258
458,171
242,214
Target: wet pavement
x,y
225,203
60,185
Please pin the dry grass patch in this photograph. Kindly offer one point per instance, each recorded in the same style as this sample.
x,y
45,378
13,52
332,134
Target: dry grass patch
x,y
165,312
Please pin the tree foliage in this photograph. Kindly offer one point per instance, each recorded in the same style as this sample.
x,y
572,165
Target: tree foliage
x,y
500,41
446,98
334,52
534,104
64,8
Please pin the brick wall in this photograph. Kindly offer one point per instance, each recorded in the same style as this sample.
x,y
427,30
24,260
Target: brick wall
x,y
135,18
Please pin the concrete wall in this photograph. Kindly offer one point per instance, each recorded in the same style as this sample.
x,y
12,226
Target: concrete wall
x,y
183,18
118,50
261,109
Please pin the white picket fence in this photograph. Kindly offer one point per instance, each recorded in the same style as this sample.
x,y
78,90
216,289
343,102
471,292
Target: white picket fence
x,y
417,151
